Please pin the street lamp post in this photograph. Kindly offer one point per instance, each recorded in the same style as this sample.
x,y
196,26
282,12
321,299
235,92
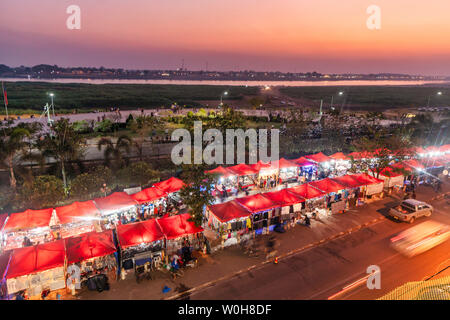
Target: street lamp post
x,y
439,93
221,97
332,98
53,108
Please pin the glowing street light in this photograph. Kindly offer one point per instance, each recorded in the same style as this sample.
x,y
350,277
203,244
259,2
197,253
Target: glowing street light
x,y
221,97
51,94
439,93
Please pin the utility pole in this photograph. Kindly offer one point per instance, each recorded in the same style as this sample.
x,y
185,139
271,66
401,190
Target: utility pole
x,y
5,100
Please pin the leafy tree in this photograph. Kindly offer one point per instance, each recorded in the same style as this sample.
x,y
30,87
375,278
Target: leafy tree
x,y
43,191
87,184
139,173
63,144
196,194
114,152
143,126
12,144
104,126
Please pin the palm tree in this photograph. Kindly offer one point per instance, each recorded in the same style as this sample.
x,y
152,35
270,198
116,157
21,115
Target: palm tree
x,y
13,142
63,144
115,150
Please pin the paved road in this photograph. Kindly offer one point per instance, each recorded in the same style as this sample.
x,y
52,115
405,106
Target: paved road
x,y
323,271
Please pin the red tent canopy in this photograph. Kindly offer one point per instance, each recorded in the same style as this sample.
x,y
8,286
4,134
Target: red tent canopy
x,y
303,162
35,259
366,179
242,170
339,156
444,148
306,191
318,157
388,172
89,245
149,194
4,260
170,185
221,171
349,181
178,226
114,202
327,185
77,211
283,163
432,149
133,234
228,211
260,165
29,219
284,197
257,203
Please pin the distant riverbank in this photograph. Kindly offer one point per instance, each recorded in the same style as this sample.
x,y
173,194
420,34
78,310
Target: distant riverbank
x,y
241,83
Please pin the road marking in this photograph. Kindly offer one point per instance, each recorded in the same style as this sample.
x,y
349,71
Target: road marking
x,y
350,286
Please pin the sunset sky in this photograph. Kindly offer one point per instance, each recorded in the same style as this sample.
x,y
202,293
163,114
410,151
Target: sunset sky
x,y
328,36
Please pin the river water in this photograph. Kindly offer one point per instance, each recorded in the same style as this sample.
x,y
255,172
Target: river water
x,y
242,83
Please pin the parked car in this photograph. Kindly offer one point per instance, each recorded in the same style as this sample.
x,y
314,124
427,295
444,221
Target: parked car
x,y
421,238
409,210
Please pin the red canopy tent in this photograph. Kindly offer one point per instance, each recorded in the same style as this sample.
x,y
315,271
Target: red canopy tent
x,y
366,179
303,162
339,156
432,149
77,212
388,172
318,157
149,194
306,191
284,197
228,211
89,245
178,226
29,219
115,202
133,234
242,170
221,171
327,185
170,185
444,148
283,163
257,203
35,259
361,155
349,181
260,165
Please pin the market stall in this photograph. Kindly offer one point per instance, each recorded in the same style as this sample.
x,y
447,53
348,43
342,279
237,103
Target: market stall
x,y
226,179
262,210
171,186
324,164
37,268
308,169
315,200
139,243
229,220
152,202
372,187
29,227
178,230
92,253
287,170
267,174
391,178
4,260
247,176
341,163
290,205
117,208
77,218
337,194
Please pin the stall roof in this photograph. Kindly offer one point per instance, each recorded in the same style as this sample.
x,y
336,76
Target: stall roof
x,y
327,185
349,181
366,179
257,203
35,259
242,169
89,245
306,191
170,185
444,148
114,202
318,157
77,211
432,149
303,162
149,194
28,219
228,211
178,226
221,171
361,155
389,172
133,234
284,197
413,163
260,165
339,156
283,163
